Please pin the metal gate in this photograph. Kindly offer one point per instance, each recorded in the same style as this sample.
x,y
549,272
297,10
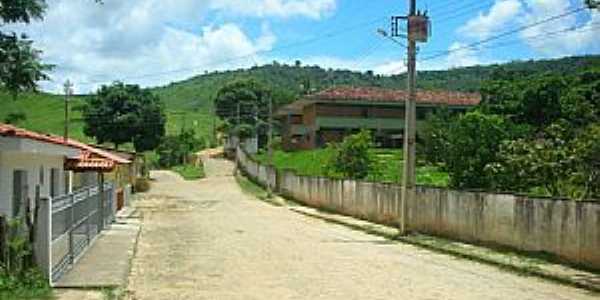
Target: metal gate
x,y
76,220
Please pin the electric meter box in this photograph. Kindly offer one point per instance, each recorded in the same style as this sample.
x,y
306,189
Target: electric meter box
x,y
419,28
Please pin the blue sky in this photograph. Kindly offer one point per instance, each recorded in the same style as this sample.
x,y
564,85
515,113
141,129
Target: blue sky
x,y
154,42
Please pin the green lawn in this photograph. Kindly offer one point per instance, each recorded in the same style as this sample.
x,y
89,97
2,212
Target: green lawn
x,y
190,172
388,166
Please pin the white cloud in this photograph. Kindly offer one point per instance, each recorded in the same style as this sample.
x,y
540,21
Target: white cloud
x,y
461,56
583,39
92,43
503,12
548,39
315,9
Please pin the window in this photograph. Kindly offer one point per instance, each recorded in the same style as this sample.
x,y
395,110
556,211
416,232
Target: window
x,y
41,179
365,112
54,182
20,192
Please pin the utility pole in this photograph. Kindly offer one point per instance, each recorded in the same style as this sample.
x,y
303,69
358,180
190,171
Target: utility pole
x,y
418,30
237,145
270,145
214,122
68,88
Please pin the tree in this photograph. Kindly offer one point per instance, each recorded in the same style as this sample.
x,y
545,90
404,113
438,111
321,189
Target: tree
x,y
244,104
533,100
587,153
15,118
173,150
547,161
352,158
434,135
252,98
473,143
21,67
123,113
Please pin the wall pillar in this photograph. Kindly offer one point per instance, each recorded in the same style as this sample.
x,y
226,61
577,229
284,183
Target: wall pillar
x,y
43,239
101,199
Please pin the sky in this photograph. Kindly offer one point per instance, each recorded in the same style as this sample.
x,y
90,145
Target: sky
x,y
156,42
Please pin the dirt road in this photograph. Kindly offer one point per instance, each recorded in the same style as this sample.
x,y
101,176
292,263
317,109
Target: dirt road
x,y
208,240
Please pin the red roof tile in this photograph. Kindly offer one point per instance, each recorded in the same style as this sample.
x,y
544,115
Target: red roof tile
x,y
12,131
89,162
375,94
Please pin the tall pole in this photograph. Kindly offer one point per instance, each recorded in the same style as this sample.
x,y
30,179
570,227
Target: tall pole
x,y
237,145
270,145
68,88
214,122
409,174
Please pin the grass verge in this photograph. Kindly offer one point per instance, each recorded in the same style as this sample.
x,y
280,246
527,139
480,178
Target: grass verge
x,y
255,190
30,285
190,172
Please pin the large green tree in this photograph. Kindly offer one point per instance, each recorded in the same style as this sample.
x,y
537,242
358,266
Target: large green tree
x,y
244,105
122,113
533,133
243,102
21,67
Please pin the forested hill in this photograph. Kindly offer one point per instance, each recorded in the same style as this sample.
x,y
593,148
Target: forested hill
x,y
188,103
293,80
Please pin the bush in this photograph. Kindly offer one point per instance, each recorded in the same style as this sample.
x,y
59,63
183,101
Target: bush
x,y
190,172
15,118
352,158
142,185
174,150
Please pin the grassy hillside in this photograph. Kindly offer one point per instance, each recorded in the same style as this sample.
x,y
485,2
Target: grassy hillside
x,y
189,102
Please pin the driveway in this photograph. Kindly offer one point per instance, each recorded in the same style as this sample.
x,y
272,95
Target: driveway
x,y
208,240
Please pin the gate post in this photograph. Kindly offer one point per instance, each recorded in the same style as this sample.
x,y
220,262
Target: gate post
x,y
43,239
101,198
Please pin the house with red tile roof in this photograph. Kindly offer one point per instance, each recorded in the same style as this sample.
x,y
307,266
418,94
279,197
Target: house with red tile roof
x,y
35,165
330,115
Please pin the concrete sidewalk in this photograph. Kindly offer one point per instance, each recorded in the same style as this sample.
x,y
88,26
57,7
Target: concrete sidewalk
x,y
106,263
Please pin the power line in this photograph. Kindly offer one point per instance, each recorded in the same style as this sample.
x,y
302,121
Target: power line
x,y
463,10
504,34
246,56
543,36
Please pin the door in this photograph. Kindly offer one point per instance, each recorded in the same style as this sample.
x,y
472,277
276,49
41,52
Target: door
x,y
20,192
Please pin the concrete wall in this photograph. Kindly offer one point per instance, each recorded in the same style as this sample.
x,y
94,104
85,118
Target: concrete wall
x,y
565,228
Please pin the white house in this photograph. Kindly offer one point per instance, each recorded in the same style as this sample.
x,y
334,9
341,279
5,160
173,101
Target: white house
x,y
31,165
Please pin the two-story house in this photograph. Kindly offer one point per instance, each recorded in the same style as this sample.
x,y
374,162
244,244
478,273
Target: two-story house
x,y
330,115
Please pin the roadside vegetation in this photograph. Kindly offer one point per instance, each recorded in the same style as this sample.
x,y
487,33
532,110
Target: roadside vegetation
x,y
368,163
190,171
19,278
533,133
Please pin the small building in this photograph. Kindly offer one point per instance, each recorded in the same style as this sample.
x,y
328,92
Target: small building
x,y
35,165
30,164
57,188
332,114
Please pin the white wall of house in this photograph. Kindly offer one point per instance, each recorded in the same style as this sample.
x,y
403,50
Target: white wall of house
x,y
38,159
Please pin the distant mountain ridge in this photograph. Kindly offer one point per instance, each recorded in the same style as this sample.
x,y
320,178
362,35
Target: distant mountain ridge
x,y
294,80
189,102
